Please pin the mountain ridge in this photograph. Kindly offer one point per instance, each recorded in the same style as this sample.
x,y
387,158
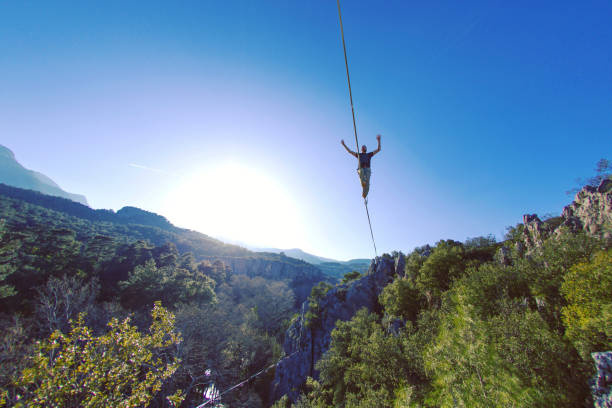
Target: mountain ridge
x,y
131,224
14,174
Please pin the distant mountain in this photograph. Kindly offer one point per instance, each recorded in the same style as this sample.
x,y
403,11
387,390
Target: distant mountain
x,y
14,174
331,267
297,254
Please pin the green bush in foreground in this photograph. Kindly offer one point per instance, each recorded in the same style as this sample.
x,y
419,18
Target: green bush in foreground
x,y
122,368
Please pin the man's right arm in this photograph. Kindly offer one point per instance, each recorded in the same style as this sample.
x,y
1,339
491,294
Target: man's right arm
x,y
347,149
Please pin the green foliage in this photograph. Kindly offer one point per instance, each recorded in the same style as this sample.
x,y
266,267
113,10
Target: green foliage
x,y
603,170
588,314
169,283
489,286
55,263
350,276
6,269
544,270
15,352
123,367
444,264
314,309
467,370
539,356
402,299
478,332
128,224
480,242
364,365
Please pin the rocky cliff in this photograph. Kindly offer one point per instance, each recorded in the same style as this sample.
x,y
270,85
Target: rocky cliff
x,y
300,276
305,345
591,211
601,384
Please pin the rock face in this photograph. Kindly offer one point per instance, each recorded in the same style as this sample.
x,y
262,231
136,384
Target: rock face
x,y
590,211
305,345
601,384
300,276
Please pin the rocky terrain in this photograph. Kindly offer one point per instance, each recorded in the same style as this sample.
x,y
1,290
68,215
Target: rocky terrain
x,y
299,275
305,344
601,385
591,211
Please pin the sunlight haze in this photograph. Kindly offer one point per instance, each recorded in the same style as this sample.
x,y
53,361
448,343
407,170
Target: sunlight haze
x,y
487,111
235,202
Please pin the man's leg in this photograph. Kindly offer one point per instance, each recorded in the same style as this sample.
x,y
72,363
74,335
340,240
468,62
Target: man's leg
x,y
364,176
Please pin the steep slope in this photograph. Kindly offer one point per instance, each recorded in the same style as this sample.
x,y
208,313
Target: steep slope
x,y
14,174
308,339
306,342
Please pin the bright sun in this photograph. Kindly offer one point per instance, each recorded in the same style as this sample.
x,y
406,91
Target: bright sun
x,y
236,202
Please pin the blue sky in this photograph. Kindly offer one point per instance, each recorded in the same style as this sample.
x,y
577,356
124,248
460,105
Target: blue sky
x,y
488,110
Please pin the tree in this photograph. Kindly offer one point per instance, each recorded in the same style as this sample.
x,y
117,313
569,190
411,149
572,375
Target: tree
x,y
364,365
171,284
603,170
545,268
7,249
444,264
122,368
467,370
587,287
350,276
61,300
314,309
400,298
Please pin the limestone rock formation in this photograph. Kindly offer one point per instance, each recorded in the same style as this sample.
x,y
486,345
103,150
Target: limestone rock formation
x,y
590,211
305,345
601,385
299,275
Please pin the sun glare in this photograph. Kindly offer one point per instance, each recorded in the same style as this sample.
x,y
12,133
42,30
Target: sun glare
x,y
236,202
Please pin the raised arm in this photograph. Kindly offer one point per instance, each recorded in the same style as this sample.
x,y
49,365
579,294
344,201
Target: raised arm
x,y
347,149
378,148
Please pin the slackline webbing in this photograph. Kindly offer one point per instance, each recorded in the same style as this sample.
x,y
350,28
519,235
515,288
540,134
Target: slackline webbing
x,y
348,79
217,398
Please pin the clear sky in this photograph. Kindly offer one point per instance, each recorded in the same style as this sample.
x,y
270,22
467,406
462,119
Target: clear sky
x,y
226,116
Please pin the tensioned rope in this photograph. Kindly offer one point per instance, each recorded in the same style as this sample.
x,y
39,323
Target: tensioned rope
x,y
365,202
217,398
348,79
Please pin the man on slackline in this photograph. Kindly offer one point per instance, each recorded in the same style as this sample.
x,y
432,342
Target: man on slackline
x,y
364,170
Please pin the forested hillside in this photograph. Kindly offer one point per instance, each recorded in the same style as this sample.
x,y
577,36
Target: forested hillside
x,y
106,312
67,272
473,324
21,208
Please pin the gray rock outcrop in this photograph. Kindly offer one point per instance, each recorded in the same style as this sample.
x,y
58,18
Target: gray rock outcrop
x,y
591,211
601,384
305,345
299,275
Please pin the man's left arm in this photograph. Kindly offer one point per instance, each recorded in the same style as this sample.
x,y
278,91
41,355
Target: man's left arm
x,y
378,148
